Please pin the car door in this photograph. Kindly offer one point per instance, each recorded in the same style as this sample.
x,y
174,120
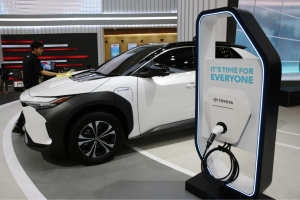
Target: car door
x,y
168,99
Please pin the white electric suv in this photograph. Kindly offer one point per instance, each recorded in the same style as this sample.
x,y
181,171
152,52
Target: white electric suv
x,y
148,89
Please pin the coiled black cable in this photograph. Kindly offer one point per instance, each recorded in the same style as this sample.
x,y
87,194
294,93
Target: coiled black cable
x,y
234,169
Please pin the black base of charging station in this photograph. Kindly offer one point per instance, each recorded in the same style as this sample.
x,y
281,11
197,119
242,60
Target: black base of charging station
x,y
203,189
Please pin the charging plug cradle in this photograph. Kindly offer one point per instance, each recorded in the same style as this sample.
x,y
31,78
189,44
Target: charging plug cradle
x,y
230,107
245,87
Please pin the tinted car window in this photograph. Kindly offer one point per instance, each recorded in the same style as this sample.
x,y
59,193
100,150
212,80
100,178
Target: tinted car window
x,y
178,60
226,52
234,53
125,61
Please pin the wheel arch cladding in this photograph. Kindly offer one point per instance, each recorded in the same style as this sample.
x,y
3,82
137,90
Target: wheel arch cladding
x,y
101,102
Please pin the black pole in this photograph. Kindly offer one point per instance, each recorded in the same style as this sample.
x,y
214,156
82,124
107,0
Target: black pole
x,y
231,24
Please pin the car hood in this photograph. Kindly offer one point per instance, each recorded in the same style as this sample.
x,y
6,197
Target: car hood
x,y
63,86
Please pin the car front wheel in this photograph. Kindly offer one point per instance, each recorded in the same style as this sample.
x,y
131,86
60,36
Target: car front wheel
x,y
95,138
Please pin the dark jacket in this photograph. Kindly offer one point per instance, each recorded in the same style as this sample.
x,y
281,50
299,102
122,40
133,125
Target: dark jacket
x,y
4,74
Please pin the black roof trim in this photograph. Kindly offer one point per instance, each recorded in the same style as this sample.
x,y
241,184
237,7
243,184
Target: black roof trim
x,y
178,44
227,44
193,43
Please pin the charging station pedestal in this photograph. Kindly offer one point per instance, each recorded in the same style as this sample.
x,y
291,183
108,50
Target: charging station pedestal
x,y
244,94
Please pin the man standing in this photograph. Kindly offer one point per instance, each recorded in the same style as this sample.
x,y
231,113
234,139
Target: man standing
x,y
30,73
4,79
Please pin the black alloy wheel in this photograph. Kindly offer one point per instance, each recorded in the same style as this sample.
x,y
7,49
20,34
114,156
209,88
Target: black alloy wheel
x,y
95,138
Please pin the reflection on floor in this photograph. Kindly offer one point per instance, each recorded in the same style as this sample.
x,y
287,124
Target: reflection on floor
x,y
133,176
129,176
179,148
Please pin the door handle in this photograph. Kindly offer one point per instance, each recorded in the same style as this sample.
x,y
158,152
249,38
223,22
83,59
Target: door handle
x,y
191,85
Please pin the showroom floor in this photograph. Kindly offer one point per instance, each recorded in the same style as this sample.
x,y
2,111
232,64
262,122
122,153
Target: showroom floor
x,y
10,96
148,168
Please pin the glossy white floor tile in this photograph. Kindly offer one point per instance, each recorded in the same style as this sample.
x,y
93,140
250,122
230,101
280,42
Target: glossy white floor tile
x,y
180,150
9,188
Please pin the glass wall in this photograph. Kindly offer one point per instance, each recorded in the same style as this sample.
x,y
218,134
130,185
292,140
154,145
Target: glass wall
x,y
280,20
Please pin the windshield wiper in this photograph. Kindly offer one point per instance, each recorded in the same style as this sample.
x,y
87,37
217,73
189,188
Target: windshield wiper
x,y
114,74
110,74
92,71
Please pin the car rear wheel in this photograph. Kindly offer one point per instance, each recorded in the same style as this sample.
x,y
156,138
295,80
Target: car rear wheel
x,y
95,138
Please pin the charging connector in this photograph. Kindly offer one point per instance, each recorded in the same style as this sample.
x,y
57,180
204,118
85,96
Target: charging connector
x,y
220,128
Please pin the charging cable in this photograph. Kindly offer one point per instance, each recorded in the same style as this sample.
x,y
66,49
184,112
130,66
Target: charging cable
x,y
226,148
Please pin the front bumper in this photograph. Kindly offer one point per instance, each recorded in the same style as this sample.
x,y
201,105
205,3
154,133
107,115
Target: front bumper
x,y
45,128
32,145
49,127
36,126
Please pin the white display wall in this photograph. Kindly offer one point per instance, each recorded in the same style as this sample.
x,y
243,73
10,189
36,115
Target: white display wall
x,y
187,13
139,6
43,7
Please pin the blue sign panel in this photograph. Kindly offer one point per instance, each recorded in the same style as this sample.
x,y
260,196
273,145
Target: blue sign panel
x,y
115,50
132,45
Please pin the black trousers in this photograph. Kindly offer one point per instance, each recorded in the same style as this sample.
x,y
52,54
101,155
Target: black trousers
x,y
6,85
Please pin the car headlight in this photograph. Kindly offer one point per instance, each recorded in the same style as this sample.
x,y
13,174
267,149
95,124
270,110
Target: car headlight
x,y
25,93
44,105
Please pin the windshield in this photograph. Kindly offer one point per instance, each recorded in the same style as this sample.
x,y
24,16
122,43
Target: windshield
x,y
122,63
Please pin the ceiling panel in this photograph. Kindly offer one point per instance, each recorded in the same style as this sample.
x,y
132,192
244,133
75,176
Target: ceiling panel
x,y
43,7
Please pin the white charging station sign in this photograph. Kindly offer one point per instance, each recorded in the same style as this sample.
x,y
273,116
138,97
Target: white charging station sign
x,y
240,76
230,91
236,105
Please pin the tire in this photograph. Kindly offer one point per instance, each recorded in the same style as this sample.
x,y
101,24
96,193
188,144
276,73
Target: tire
x,y
91,149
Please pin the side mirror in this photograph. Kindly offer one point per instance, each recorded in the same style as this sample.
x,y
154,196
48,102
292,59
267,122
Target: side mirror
x,y
155,70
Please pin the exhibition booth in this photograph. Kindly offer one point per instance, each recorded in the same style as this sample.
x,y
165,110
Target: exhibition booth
x,y
164,99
